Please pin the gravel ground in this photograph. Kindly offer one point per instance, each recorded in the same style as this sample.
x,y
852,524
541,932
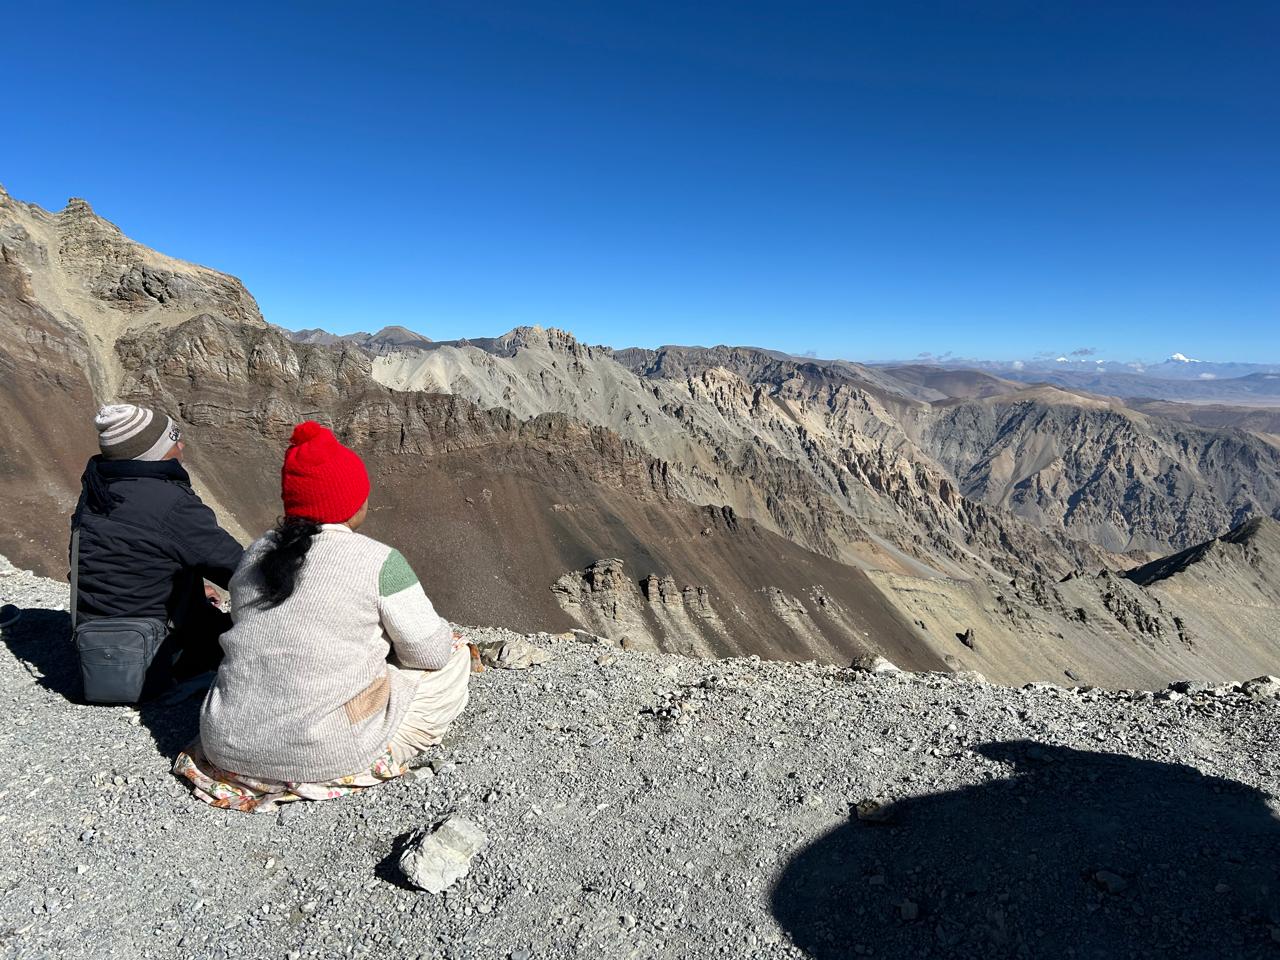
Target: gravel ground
x,y
653,806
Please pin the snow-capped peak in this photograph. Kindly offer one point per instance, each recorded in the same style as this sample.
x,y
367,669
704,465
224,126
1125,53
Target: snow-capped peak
x,y
1182,359
1061,360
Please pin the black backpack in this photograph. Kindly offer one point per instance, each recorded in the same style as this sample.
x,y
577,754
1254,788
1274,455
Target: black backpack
x,y
115,653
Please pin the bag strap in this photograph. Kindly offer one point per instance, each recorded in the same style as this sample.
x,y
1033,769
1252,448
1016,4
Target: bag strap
x,y
75,575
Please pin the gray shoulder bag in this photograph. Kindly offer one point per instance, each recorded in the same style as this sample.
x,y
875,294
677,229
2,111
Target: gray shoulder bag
x,y
115,652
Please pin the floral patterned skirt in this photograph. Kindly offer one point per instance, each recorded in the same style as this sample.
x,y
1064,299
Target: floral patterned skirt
x,y
235,791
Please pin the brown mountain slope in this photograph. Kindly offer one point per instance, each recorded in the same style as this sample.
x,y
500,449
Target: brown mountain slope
x,y
492,509
44,396
1226,590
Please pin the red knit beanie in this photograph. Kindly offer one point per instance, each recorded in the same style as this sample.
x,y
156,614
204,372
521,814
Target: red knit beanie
x,y
322,480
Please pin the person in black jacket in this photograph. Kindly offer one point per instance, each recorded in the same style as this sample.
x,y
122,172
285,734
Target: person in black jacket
x,y
147,543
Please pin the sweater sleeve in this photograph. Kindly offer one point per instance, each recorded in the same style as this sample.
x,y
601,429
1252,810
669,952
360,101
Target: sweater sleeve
x,y
201,543
421,638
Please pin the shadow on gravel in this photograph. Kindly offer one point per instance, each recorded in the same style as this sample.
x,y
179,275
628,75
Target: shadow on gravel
x,y
388,868
41,638
1078,855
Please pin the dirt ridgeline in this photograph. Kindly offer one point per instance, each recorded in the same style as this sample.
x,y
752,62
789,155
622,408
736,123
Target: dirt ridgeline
x,y
640,805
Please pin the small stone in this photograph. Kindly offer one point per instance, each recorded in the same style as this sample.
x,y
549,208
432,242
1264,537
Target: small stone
x,y
309,907
437,857
514,654
1110,882
909,911
628,921
422,774
81,868
1261,688
873,664
874,810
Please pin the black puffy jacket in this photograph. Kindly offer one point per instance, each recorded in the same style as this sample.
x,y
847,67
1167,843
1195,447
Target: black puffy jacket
x,y
146,540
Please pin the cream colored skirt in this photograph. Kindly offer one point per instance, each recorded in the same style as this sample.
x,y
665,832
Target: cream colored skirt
x,y
437,700
440,696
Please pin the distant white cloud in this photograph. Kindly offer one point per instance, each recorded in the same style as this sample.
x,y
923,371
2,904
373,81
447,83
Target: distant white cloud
x,y
1207,376
1061,360
1018,364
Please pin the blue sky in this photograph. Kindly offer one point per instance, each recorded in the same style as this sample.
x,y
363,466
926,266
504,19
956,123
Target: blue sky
x,y
866,181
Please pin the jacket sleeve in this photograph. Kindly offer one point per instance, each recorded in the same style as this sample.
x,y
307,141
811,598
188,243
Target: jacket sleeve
x,y
200,543
421,638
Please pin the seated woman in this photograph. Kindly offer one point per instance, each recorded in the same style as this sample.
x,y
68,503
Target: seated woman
x,y
306,704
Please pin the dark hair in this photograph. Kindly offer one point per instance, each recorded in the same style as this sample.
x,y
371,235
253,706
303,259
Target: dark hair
x,y
279,566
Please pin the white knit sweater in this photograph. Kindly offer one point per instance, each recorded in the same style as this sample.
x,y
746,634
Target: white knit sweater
x,y
305,692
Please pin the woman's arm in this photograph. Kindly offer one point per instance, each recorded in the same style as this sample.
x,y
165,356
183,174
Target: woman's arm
x,y
421,638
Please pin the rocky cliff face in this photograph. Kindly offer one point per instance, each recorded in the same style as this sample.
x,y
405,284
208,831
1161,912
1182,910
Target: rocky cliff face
x,y
817,453
89,276
1102,472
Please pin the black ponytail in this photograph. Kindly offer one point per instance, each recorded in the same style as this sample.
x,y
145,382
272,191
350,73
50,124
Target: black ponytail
x,y
279,566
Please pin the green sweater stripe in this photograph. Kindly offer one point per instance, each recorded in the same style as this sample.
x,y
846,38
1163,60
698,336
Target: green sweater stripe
x,y
396,575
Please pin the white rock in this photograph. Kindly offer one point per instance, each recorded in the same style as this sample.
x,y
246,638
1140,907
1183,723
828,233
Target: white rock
x,y
873,664
1260,688
440,855
514,654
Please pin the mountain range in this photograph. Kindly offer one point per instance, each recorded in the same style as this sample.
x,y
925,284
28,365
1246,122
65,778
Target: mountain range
x,y
711,501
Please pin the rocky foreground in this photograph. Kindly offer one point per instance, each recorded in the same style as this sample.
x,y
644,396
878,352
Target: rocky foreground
x,y
638,805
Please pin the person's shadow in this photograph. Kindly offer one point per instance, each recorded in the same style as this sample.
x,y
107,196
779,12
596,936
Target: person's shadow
x,y
1078,855
41,639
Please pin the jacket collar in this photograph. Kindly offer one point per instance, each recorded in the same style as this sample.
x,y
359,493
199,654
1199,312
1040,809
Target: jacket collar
x,y
140,469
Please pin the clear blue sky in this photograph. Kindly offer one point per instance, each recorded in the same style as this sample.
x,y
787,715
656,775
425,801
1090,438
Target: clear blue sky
x,y
858,180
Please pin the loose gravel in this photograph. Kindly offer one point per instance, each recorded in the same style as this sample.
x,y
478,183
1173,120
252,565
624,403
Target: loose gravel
x,y
651,806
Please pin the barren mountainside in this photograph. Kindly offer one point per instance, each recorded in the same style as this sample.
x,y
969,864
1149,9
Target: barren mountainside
x,y
709,501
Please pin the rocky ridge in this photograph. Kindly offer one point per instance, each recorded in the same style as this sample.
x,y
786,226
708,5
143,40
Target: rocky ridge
x,y
545,487
724,500
653,806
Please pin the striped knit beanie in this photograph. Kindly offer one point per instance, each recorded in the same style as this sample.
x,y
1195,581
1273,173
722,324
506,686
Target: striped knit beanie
x,y
126,432
322,480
